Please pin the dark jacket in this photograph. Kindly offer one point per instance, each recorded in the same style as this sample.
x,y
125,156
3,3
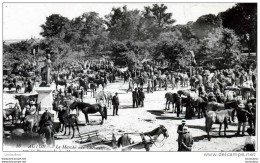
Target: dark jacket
x,y
141,95
115,100
135,95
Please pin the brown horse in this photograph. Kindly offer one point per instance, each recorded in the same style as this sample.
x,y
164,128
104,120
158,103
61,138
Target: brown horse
x,y
67,120
87,108
127,142
219,117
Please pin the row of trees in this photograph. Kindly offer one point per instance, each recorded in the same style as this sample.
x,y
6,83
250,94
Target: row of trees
x,y
130,36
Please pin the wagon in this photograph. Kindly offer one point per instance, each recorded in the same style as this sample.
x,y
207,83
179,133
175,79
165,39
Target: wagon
x,y
93,140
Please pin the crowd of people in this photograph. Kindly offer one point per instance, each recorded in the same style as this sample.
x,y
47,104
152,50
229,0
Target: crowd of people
x,y
220,86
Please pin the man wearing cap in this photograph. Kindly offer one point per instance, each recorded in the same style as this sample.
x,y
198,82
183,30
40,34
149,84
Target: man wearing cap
x,y
135,97
187,140
180,132
115,103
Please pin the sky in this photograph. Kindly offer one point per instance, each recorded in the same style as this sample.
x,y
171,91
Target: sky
x,y
23,20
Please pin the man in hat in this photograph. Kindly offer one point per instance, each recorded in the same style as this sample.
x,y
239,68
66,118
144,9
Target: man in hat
x,y
115,103
180,132
187,140
135,97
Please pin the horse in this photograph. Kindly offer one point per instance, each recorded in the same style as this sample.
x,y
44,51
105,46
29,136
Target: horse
x,y
200,105
87,108
214,106
169,99
138,81
93,88
100,96
14,110
127,141
67,120
219,117
97,82
184,92
60,82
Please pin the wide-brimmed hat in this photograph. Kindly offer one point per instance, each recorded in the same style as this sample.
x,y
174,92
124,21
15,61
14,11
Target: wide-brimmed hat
x,y
183,120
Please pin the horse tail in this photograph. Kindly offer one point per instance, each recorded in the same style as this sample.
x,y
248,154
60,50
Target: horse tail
x,y
105,112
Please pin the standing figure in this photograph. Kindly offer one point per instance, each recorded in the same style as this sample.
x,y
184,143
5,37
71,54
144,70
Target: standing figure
x,y
242,118
46,71
141,97
251,115
135,97
115,103
180,132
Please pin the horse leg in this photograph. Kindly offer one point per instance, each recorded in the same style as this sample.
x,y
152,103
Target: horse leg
x,y
220,125
86,117
198,110
225,127
103,117
73,131
65,129
69,128
166,105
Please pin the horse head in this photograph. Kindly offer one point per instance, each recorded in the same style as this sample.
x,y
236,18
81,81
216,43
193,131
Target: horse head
x,y
164,131
73,105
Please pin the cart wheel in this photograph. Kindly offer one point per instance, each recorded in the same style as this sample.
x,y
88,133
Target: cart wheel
x,y
103,147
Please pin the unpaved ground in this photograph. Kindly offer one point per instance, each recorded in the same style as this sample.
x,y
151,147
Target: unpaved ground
x,y
137,120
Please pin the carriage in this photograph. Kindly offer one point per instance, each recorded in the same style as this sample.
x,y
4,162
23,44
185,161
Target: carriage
x,y
93,140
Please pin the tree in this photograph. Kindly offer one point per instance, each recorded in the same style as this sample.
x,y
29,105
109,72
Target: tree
x,y
53,25
219,49
123,23
163,19
242,18
157,20
186,31
170,48
205,24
